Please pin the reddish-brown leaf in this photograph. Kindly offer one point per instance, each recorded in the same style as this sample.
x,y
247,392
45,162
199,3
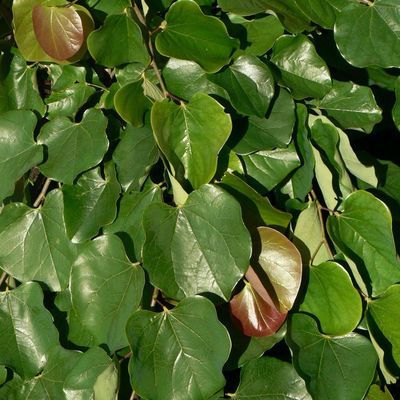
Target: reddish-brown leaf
x,y
59,30
254,311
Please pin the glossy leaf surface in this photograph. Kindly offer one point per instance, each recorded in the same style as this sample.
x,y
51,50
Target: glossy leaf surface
x,y
363,231
270,378
194,346
179,251
183,134
91,203
18,150
332,298
302,70
191,35
59,30
73,147
36,237
249,84
281,261
321,358
116,32
22,315
105,288
358,27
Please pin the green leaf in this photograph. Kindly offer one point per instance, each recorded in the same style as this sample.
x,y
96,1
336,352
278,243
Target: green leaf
x,y
309,236
270,378
105,289
363,231
73,147
22,316
131,103
271,167
24,33
249,84
190,35
185,78
359,27
18,150
116,32
281,262
257,210
34,244
107,383
3,374
326,139
128,224
352,106
107,7
302,178
179,251
18,84
260,34
64,76
191,136
375,393
80,381
322,359
385,313
134,155
302,69
322,12
194,346
331,297
396,107
273,131
288,11
68,101
91,203
59,30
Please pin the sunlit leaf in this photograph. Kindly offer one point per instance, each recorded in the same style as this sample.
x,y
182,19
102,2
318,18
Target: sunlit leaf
x,y
193,347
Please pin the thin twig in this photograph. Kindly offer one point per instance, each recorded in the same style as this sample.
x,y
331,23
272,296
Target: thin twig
x,y
125,357
133,395
3,278
42,193
154,297
153,63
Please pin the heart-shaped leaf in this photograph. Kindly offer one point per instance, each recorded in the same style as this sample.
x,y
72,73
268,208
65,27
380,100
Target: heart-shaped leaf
x,y
73,147
34,243
322,359
122,34
18,150
22,315
59,30
91,203
249,84
191,135
281,261
302,69
192,346
332,298
179,251
105,288
270,378
190,35
363,231
361,25
253,309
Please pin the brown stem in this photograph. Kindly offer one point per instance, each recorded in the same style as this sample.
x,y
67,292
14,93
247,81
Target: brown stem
x,y
150,46
153,303
125,357
42,193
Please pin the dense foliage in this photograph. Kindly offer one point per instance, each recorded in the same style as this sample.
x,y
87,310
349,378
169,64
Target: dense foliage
x,y
199,199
